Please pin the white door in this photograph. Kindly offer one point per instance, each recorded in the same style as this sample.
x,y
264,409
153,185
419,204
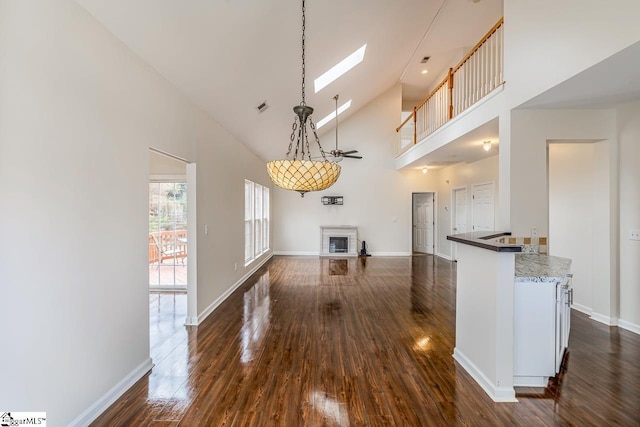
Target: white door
x,y
423,222
460,211
482,207
459,216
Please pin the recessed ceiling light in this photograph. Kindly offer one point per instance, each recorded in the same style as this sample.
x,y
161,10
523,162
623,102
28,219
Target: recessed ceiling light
x,y
340,68
424,71
332,115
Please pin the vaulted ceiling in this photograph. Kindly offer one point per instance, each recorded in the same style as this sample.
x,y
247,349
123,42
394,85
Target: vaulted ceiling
x,y
228,56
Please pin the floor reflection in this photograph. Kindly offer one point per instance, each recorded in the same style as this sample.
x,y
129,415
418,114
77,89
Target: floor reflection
x,y
255,318
338,267
169,378
330,409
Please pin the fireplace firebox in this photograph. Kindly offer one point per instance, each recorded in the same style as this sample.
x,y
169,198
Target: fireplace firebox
x,y
338,245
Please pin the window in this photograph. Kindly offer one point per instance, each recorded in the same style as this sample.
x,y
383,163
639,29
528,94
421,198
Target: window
x,y
256,220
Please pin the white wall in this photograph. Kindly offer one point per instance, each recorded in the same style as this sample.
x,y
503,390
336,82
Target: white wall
x,y
78,113
629,135
530,131
572,199
548,41
457,176
377,198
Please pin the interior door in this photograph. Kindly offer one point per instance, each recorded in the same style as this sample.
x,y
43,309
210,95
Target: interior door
x,y
459,215
423,222
460,211
482,207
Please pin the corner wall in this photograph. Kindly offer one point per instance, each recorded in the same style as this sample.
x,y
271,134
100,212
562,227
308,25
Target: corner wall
x,y
629,135
78,113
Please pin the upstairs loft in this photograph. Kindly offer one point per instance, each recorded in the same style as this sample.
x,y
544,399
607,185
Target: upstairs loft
x,y
475,77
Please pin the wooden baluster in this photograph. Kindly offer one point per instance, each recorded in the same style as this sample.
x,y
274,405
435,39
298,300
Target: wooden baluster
x,y
450,93
415,126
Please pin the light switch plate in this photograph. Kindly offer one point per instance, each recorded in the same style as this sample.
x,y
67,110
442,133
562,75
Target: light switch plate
x,y
634,234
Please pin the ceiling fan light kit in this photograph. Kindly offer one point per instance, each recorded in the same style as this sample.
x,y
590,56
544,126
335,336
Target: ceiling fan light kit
x,y
297,173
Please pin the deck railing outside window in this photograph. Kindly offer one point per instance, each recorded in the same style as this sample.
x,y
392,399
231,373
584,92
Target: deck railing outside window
x,y
479,73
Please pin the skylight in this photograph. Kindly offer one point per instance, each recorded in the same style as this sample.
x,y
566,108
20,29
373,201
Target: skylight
x,y
339,69
332,115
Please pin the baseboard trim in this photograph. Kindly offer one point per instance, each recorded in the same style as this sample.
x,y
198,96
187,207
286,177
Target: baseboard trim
x,y
632,327
207,311
447,257
390,253
497,394
609,321
296,253
582,308
99,406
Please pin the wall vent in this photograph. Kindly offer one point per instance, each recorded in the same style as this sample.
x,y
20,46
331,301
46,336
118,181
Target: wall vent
x,y
262,107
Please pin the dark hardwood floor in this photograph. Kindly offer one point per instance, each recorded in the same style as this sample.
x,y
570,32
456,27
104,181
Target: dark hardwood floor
x,y
367,341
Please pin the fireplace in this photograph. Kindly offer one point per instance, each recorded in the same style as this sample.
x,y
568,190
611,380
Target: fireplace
x,y
338,245
338,240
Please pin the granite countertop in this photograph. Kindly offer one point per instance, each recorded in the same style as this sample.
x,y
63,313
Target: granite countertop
x,y
485,240
541,268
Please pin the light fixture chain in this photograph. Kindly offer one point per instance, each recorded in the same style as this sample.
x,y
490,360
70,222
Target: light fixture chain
x,y
306,137
315,134
300,130
293,135
303,63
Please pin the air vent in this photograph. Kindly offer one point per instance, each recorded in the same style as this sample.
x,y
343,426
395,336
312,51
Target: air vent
x,y
262,107
425,59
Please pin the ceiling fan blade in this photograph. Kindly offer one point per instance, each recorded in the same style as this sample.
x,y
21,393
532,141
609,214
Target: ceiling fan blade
x,y
352,157
350,152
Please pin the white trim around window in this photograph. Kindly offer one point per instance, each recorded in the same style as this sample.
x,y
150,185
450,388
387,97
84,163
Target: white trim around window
x,y
256,221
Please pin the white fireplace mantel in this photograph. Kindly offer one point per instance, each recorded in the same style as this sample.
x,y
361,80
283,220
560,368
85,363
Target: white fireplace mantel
x,y
349,231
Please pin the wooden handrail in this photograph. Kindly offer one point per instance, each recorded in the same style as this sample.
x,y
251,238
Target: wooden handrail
x,y
480,43
449,81
433,92
405,121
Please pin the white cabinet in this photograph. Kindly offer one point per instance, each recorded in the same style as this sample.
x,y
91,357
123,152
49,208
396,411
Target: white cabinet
x,y
541,330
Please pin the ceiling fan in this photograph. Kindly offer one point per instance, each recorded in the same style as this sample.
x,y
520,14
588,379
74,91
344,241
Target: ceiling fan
x,y
338,154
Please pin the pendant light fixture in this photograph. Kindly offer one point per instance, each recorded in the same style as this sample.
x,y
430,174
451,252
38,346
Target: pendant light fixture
x,y
298,172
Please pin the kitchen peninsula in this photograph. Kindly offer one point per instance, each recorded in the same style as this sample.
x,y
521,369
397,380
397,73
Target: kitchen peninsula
x,y
490,322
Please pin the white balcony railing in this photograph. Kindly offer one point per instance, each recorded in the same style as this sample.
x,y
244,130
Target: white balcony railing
x,y
479,73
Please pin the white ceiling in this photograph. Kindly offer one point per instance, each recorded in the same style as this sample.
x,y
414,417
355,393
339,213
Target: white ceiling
x,y
228,56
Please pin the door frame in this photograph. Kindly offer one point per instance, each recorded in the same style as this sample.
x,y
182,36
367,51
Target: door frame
x,y
435,219
192,233
454,252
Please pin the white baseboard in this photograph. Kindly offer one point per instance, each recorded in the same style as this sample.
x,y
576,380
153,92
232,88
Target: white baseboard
x,y
447,257
609,321
92,412
296,253
582,308
629,326
390,253
207,311
497,394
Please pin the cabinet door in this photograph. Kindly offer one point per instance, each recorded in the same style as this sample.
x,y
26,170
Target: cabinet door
x,y
534,329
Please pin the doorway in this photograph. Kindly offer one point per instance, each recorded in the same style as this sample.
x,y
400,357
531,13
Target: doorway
x,y
172,233
459,215
423,223
168,235
482,207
